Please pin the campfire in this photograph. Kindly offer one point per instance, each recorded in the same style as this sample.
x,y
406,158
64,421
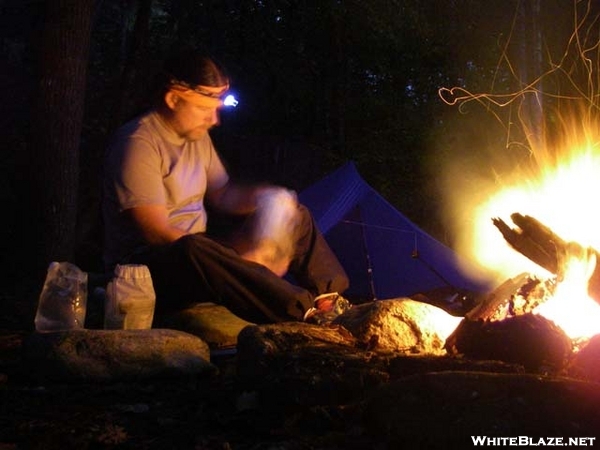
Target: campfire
x,y
523,211
568,297
551,255
547,263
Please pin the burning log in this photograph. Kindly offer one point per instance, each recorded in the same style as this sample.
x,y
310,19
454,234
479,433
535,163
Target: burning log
x,y
496,301
533,240
541,245
503,327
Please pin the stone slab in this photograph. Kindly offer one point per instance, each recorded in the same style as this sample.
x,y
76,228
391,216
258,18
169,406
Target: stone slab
x,y
115,355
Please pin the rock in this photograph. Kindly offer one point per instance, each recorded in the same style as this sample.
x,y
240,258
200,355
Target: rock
x,y
214,324
116,355
299,363
529,339
265,340
400,325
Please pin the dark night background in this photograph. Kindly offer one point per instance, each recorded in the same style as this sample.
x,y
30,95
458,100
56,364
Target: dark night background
x,y
319,83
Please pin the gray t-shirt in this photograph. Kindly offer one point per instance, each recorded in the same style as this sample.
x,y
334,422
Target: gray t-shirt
x,y
148,164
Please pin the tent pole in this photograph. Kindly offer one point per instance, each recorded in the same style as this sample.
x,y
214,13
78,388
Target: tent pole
x,y
367,256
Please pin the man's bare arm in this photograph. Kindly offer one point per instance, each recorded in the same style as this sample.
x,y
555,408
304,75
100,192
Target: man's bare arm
x,y
234,198
152,221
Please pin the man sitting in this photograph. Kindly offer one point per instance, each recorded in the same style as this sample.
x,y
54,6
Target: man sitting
x,y
162,171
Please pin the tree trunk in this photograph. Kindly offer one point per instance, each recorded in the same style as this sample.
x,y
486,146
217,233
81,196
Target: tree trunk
x,y
56,126
134,45
337,77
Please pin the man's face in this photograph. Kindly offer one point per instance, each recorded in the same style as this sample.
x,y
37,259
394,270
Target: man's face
x,y
195,112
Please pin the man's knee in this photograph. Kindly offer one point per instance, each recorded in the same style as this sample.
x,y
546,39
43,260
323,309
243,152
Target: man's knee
x,y
305,223
304,212
199,247
190,243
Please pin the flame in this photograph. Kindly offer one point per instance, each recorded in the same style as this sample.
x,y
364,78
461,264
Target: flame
x,y
559,193
570,307
560,198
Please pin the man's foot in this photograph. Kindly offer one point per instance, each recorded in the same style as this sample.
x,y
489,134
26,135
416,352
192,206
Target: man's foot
x,y
326,308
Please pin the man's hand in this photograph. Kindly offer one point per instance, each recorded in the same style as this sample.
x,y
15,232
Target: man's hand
x,y
271,240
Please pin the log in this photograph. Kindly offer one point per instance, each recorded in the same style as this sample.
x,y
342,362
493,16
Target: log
x,y
541,245
533,240
488,308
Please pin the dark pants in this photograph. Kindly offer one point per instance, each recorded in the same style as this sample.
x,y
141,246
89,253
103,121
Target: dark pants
x,y
197,268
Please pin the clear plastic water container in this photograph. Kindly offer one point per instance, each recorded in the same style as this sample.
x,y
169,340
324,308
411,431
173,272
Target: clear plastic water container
x,y
63,301
130,299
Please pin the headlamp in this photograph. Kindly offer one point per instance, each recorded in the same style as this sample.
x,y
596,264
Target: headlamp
x,y
205,96
230,100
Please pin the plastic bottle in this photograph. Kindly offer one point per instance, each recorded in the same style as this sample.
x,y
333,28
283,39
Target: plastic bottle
x,y
130,299
63,300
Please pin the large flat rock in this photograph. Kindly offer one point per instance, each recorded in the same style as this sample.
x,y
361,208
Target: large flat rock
x,y
115,355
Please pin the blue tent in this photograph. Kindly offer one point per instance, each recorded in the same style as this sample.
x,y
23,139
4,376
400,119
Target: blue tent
x,y
383,252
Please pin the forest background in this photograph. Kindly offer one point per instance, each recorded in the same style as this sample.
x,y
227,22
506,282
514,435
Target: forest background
x,y
319,83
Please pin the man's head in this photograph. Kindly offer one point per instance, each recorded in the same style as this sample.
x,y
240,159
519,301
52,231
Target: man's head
x,y
192,93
